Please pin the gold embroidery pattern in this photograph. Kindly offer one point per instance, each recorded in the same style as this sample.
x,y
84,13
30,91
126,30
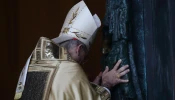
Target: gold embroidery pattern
x,y
48,51
71,21
101,91
66,30
74,16
38,55
79,35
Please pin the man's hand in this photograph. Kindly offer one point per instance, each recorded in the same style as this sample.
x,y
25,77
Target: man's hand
x,y
112,78
97,79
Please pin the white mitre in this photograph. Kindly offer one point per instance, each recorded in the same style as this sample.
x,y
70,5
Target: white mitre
x,y
79,24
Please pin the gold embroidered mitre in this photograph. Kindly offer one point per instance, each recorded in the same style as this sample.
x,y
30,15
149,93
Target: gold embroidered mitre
x,y
79,24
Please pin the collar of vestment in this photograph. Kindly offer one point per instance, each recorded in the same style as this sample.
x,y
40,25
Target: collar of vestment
x,y
46,51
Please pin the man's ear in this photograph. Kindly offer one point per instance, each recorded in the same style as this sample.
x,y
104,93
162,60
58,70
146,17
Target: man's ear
x,y
78,49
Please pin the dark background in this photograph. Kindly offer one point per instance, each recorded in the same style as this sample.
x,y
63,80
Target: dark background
x,y
22,22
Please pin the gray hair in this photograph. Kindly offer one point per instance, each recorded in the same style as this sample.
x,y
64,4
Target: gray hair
x,y
73,43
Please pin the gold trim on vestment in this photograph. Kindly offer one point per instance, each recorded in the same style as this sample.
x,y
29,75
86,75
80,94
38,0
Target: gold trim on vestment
x,y
46,57
104,94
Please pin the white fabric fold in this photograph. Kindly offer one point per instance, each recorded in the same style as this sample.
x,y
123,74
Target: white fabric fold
x,y
97,20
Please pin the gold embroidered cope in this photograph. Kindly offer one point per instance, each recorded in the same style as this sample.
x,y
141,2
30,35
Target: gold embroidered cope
x,y
63,78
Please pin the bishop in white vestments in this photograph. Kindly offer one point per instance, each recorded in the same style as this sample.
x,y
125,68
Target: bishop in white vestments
x,y
54,72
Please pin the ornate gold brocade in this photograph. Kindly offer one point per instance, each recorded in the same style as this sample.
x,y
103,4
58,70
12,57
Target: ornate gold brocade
x,y
104,94
46,58
47,51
